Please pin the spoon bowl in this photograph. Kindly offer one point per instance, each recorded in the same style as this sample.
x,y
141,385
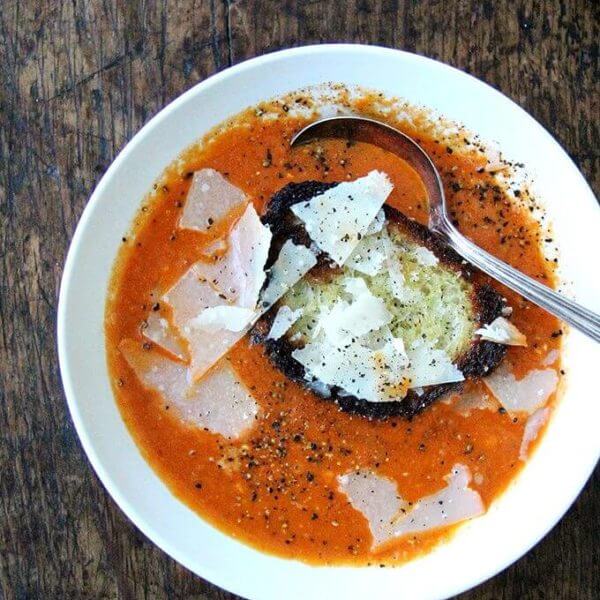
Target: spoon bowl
x,y
371,131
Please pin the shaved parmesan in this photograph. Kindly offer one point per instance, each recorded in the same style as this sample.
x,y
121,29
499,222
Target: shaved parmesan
x,y
375,375
353,349
396,280
201,299
534,423
208,346
390,516
369,255
233,318
338,218
502,331
376,224
190,296
346,320
431,366
208,320
523,395
551,358
219,402
283,320
215,249
376,497
452,504
157,329
209,199
474,400
425,257
293,262
239,274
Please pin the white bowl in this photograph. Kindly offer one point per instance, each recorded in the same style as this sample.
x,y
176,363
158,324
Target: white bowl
x,y
552,478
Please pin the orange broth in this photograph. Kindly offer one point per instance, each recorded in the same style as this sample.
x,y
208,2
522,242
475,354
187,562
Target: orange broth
x,y
275,488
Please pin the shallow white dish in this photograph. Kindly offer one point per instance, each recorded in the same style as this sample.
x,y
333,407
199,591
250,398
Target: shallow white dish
x,y
550,481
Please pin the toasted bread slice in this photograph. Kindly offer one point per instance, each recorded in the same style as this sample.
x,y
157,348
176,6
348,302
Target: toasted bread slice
x,y
440,303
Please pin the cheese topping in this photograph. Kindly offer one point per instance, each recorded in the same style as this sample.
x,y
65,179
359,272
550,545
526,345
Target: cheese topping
x,y
502,331
283,320
337,219
431,366
157,329
239,274
534,423
209,199
369,255
232,318
390,516
219,402
346,320
370,367
523,395
292,263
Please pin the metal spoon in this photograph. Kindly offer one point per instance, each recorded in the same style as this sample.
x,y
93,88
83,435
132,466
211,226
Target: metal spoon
x,y
374,132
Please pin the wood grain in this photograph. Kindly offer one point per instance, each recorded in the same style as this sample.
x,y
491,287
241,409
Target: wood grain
x,y
77,80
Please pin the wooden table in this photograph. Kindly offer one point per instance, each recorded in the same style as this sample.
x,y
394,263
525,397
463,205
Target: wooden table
x,y
77,80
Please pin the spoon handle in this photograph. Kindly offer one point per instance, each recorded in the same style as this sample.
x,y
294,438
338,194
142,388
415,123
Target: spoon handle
x,y
572,313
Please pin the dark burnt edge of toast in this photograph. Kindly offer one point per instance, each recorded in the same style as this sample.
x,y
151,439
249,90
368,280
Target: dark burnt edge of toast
x,y
481,358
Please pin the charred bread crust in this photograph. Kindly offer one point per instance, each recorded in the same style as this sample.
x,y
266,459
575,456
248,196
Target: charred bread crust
x,y
480,359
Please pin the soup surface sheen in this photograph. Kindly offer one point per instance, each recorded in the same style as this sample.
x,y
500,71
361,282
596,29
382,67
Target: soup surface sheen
x,y
276,487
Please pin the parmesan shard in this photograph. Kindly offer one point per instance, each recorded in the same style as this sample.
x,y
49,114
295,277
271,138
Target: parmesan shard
x,y
210,198
425,257
375,375
532,427
502,331
188,298
337,219
376,224
389,516
369,256
551,358
354,350
376,497
396,280
232,318
455,503
159,330
283,320
523,395
292,263
239,274
208,346
213,303
431,366
219,403
346,320
472,400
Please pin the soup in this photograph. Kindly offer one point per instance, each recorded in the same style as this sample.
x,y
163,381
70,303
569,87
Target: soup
x,y
279,462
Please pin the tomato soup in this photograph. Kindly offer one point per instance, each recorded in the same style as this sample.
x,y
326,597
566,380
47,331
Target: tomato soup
x,y
276,487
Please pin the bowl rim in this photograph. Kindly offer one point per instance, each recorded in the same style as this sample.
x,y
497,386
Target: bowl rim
x,y
86,436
